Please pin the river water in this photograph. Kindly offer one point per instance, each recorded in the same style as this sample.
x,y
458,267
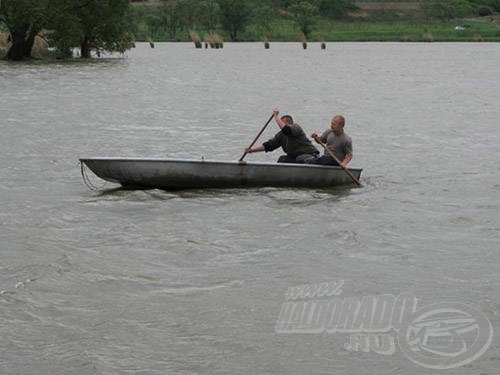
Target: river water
x,y
193,282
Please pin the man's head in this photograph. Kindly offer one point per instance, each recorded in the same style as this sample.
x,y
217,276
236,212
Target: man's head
x,y
287,119
337,123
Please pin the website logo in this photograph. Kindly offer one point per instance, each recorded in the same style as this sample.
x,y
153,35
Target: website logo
x,y
439,336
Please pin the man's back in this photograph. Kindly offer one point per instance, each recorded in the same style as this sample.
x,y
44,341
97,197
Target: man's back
x,y
293,140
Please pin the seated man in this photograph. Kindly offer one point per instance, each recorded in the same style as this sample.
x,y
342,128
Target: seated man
x,y
337,141
291,139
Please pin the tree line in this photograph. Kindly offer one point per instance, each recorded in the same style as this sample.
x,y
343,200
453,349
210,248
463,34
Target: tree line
x,y
111,25
234,16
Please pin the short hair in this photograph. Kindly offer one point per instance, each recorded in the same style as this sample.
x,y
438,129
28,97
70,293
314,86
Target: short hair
x,y
287,117
342,119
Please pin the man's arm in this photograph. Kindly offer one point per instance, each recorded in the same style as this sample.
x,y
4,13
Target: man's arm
x,y
260,148
267,146
346,160
348,153
278,119
323,136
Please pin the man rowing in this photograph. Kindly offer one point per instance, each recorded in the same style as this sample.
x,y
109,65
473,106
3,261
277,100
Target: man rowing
x,y
292,139
337,141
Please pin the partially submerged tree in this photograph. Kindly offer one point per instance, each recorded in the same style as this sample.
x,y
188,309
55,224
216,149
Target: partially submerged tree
x,y
92,25
24,19
102,25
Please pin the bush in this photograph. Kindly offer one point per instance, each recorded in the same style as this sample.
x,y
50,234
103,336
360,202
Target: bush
x,y
484,10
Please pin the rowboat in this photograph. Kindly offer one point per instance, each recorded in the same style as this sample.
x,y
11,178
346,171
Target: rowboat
x,y
174,174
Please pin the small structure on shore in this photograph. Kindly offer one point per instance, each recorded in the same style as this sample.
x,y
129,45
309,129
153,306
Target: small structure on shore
x,y
266,42
303,40
213,40
195,38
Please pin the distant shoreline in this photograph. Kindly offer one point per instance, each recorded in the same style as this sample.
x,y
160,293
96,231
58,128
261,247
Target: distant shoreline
x,y
377,21
468,30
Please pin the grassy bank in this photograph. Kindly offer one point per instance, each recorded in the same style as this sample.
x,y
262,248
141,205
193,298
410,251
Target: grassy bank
x,y
409,31
361,31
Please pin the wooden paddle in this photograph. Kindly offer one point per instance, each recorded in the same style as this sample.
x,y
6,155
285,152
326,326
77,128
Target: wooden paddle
x,y
353,178
257,137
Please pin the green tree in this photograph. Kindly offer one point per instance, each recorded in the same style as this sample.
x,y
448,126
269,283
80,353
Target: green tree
x,y
304,14
102,25
336,8
24,19
92,25
65,27
168,18
234,16
263,19
492,5
190,11
209,14
172,15
446,9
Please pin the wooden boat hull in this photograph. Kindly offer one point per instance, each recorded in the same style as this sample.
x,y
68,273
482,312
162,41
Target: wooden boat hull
x,y
173,174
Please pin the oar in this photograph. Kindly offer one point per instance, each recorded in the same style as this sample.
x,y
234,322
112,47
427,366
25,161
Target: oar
x,y
353,178
257,137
